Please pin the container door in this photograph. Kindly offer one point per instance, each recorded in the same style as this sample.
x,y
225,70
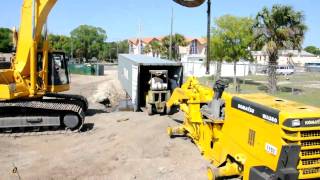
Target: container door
x,y
134,87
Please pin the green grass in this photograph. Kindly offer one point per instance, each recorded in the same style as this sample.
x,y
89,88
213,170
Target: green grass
x,y
297,88
310,96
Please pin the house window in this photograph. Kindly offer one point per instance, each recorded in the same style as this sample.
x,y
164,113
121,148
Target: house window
x,y
131,48
194,47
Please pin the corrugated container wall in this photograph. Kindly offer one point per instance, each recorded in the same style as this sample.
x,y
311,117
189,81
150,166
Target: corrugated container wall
x,y
133,74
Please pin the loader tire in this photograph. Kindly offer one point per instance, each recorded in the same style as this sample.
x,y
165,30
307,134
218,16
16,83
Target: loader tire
x,y
149,109
168,110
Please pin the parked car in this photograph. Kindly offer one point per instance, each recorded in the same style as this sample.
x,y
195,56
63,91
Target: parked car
x,y
312,67
285,69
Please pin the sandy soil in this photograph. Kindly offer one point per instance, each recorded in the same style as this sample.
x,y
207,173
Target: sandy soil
x,y
122,145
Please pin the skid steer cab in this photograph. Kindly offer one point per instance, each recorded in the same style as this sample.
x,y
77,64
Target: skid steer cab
x,y
158,93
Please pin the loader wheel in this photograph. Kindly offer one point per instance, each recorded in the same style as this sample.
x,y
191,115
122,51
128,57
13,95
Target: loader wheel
x,y
210,174
149,109
170,132
168,110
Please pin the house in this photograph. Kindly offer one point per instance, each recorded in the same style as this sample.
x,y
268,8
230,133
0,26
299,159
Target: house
x,y
195,50
193,57
286,57
196,47
137,45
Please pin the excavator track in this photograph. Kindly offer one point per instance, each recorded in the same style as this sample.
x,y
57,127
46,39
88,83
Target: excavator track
x,y
79,98
53,114
67,132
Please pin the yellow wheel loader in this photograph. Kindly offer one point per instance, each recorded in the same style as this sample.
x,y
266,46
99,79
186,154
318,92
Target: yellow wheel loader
x,y
249,136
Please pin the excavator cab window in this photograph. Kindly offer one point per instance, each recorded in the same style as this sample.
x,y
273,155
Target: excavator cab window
x,y
58,69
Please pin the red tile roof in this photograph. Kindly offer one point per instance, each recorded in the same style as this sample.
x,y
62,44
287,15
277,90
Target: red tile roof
x,y
147,40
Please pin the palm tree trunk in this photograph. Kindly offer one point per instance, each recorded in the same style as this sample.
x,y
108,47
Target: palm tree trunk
x,y
272,73
235,83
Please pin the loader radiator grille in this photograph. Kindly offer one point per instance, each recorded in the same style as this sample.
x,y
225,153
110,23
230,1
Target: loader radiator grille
x,y
310,143
310,134
311,171
310,152
309,163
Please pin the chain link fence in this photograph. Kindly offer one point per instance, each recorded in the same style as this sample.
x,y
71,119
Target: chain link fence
x,y
297,83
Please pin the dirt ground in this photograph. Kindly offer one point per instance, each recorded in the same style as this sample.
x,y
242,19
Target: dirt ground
x,y
121,145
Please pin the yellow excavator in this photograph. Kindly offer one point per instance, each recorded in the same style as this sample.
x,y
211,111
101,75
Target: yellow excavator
x,y
29,98
249,136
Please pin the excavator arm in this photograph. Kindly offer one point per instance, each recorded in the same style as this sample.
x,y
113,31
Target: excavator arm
x,y
33,18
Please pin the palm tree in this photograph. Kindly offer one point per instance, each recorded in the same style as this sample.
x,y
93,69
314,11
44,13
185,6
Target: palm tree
x,y
277,29
155,48
147,49
177,40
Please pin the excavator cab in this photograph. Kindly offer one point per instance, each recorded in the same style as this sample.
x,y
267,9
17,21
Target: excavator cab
x,y
58,73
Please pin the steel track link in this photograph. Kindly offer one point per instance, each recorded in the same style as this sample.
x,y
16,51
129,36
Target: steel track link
x,y
79,98
45,107
46,133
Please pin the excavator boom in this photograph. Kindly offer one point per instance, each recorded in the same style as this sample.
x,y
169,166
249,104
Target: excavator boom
x,y
34,15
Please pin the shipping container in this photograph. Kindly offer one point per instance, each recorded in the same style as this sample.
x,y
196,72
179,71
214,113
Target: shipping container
x,y
133,74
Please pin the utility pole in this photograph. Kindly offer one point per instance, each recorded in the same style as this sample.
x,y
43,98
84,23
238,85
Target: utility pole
x,y
208,37
71,47
171,32
117,50
140,50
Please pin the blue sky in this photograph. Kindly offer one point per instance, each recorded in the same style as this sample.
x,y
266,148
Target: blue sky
x,y
121,18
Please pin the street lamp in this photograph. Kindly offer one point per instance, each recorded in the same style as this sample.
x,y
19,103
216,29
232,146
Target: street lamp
x,y
189,3
195,3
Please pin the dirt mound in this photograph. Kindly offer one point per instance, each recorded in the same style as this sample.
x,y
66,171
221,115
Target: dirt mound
x,y
109,92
